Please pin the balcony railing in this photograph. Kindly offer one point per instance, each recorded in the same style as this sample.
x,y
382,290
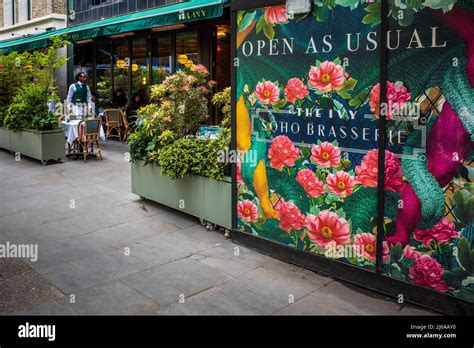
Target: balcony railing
x,y
86,11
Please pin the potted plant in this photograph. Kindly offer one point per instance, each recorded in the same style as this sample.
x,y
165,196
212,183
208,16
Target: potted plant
x,y
29,124
173,166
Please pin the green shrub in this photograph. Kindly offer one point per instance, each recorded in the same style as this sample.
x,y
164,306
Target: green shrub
x,y
138,143
29,110
195,156
223,101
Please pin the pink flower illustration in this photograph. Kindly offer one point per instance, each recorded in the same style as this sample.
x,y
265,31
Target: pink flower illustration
x,y
397,97
247,211
310,182
410,252
291,217
326,155
367,172
240,180
276,14
341,184
367,242
443,232
327,228
268,92
283,152
427,272
327,77
295,89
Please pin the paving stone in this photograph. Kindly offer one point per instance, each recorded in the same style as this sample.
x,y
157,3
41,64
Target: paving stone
x,y
415,311
268,290
209,302
233,261
85,273
339,298
164,284
124,234
114,298
64,250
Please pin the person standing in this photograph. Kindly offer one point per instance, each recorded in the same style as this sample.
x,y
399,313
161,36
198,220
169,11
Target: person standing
x,y
79,98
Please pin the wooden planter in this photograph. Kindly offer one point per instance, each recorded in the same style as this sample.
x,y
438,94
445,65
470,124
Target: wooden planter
x,y
41,145
205,198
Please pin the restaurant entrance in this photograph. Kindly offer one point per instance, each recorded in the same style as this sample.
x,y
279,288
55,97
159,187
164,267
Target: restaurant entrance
x,y
126,65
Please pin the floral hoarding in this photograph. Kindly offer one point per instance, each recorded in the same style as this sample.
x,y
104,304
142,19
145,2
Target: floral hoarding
x,y
308,105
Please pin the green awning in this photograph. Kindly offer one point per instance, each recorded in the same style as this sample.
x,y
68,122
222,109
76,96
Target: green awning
x,y
184,12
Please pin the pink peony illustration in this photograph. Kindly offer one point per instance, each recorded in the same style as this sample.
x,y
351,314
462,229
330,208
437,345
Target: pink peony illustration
x,y
268,92
443,232
341,184
310,182
367,242
291,217
411,253
326,155
367,172
240,180
427,272
327,77
247,211
327,228
276,14
283,152
397,97
295,89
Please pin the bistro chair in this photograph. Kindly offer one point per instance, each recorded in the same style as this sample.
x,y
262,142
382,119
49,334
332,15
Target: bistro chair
x,y
113,120
89,134
126,126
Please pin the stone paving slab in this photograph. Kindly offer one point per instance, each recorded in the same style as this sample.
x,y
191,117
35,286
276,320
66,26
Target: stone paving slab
x,y
166,283
209,302
88,272
268,289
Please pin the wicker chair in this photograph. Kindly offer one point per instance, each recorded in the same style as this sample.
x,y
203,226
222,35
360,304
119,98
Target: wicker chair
x,y
113,120
89,134
126,126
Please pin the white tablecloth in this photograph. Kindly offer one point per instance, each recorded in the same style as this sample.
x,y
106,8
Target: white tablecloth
x,y
71,131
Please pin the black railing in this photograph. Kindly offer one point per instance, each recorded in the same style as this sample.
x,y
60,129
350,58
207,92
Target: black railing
x,y
86,11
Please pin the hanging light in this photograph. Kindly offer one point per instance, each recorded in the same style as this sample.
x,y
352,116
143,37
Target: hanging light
x,y
121,63
182,59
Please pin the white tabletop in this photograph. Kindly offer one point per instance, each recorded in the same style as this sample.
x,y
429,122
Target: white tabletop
x,y
71,131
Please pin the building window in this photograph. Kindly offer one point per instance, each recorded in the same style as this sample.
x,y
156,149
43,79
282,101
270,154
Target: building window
x,y
187,49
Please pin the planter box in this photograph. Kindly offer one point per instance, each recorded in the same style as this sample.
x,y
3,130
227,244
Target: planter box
x,y
202,197
43,146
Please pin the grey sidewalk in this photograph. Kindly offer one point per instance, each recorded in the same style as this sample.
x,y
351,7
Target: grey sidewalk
x,y
107,252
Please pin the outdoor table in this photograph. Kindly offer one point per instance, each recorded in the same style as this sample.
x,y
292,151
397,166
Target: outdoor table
x,y
71,131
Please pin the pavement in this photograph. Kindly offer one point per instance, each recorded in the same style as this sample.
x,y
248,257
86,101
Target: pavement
x,y
103,251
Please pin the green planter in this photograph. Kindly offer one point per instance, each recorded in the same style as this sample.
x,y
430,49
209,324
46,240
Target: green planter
x,y
207,199
41,145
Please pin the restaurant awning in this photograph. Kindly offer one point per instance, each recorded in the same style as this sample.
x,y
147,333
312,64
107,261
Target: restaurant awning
x,y
183,12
